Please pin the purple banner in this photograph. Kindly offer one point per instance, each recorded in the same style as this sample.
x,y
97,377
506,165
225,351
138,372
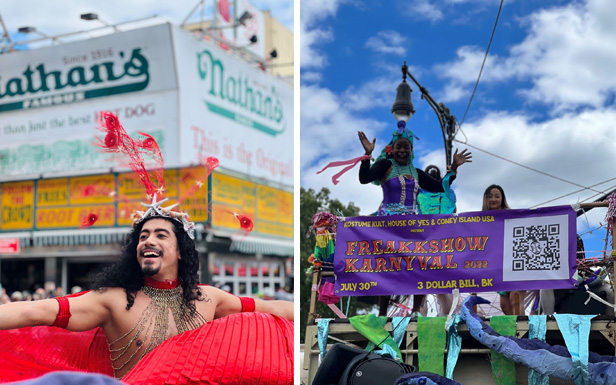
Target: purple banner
x,y
473,252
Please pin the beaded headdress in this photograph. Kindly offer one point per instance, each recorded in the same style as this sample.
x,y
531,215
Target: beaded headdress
x,y
386,153
156,211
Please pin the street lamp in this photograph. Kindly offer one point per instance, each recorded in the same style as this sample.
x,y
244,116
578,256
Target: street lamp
x,y
94,16
402,109
34,30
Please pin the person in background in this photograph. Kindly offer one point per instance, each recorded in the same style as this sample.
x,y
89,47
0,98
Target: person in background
x,y
494,199
17,296
59,292
41,292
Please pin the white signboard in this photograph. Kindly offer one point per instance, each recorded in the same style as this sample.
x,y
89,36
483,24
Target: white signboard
x,y
232,111
50,98
62,139
255,26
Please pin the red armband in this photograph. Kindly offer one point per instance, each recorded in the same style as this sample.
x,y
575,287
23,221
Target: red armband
x,y
248,304
64,313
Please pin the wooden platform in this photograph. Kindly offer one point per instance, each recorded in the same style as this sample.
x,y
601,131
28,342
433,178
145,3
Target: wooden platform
x,y
473,365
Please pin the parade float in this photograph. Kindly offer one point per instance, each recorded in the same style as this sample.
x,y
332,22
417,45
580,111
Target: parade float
x,y
568,336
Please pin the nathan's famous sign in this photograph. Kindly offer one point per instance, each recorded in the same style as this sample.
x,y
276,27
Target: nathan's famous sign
x,y
472,252
240,98
41,85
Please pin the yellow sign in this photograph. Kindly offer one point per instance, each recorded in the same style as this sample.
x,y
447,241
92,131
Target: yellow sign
x,y
270,209
267,203
226,189
250,198
275,229
93,189
52,192
17,206
222,216
194,193
126,210
75,216
131,188
285,208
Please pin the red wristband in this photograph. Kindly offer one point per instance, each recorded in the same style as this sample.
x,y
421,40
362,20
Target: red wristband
x,y
64,313
248,304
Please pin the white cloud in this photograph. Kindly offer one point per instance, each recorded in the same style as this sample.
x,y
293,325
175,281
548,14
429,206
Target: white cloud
x,y
567,57
310,57
312,11
559,147
311,36
329,131
389,42
374,93
421,9
311,76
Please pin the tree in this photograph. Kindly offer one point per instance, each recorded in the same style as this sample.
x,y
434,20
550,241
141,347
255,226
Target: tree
x,y
312,202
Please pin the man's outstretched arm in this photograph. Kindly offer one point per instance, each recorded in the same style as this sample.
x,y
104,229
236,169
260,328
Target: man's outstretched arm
x,y
227,304
32,313
282,309
87,312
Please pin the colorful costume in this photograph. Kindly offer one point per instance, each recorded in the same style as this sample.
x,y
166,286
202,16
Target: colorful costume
x,y
401,188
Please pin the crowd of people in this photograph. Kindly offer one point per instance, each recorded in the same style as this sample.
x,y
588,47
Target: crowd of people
x,y
38,294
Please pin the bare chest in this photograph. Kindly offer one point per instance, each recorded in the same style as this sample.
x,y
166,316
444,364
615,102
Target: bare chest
x,y
149,322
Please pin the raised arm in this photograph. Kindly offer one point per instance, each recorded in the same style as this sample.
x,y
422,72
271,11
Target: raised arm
x,y
87,312
227,304
459,159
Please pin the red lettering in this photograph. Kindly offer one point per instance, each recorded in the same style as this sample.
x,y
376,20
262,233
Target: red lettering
x,y
394,263
404,247
367,266
351,248
391,248
409,262
477,243
434,246
350,265
460,244
381,265
449,264
446,245
423,261
436,263
376,245
419,247
364,248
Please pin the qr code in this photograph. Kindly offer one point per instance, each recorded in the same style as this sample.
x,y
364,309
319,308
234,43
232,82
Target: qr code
x,y
536,247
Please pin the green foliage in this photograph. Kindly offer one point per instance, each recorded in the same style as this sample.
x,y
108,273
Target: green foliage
x,y
312,202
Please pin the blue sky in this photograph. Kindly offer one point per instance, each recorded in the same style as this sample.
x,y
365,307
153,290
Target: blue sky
x,y
545,99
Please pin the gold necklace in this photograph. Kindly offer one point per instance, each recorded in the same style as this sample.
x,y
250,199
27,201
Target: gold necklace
x,y
155,318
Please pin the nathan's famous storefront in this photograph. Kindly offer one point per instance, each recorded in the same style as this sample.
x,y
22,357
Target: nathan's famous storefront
x,y
60,244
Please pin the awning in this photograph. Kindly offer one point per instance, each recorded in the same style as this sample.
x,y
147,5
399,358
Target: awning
x,y
252,244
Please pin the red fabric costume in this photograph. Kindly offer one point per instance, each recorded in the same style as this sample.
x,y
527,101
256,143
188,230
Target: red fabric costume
x,y
243,348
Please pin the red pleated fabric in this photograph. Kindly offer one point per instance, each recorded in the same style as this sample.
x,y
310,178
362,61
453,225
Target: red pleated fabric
x,y
33,351
244,348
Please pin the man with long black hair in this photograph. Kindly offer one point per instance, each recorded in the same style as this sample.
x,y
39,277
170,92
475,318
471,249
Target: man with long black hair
x,y
150,295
